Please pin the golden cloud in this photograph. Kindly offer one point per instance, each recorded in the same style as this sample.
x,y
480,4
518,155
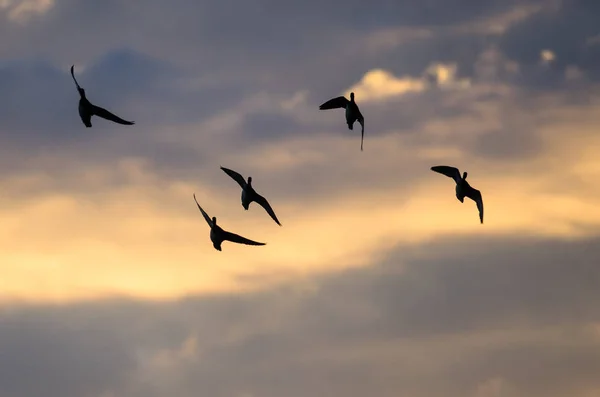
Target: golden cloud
x,y
22,10
379,84
147,239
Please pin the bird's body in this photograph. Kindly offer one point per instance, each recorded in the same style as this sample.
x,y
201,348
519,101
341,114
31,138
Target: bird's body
x,y
463,188
218,235
87,109
460,189
246,197
250,195
353,113
84,111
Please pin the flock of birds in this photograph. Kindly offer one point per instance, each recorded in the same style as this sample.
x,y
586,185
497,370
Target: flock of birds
x,y
249,195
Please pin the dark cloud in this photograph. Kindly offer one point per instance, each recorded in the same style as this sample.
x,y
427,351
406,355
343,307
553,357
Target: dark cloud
x,y
144,81
235,47
41,131
460,310
266,126
507,144
237,40
39,101
47,356
35,95
389,329
564,32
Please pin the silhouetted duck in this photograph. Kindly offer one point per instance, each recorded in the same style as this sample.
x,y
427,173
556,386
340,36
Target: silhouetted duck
x,y
352,112
87,109
249,194
463,189
218,235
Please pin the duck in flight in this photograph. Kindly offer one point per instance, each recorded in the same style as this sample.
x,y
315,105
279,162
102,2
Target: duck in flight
x,y
218,235
463,189
249,194
352,112
87,109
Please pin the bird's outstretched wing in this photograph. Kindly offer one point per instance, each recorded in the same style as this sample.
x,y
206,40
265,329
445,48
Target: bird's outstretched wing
x,y
265,204
451,172
236,238
105,114
204,214
335,103
475,195
235,176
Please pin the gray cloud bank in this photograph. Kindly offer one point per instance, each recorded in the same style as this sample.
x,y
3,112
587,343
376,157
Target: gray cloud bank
x,y
200,60
445,319
453,318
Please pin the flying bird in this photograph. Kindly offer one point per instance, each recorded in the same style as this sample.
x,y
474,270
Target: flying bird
x,y
218,235
463,189
249,194
87,109
352,112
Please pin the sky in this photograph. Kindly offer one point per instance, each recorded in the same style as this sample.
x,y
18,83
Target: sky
x,y
380,282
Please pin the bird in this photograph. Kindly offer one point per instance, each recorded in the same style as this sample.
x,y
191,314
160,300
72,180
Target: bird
x,y
87,109
218,235
352,112
463,189
249,194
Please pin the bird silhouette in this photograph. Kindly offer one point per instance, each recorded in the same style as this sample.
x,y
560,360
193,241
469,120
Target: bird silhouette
x,y
249,194
87,109
218,235
352,112
463,189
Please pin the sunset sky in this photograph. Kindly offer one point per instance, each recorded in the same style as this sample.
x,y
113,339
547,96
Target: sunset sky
x,y
380,283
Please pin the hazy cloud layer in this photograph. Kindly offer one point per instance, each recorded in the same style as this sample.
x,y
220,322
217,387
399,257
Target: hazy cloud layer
x,y
470,313
380,282
468,102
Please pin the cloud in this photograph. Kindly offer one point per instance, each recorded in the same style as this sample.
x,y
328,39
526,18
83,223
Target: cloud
x,y
70,217
397,324
41,100
547,56
500,23
304,161
378,85
594,40
565,30
493,387
61,358
380,280
573,73
493,24
21,10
